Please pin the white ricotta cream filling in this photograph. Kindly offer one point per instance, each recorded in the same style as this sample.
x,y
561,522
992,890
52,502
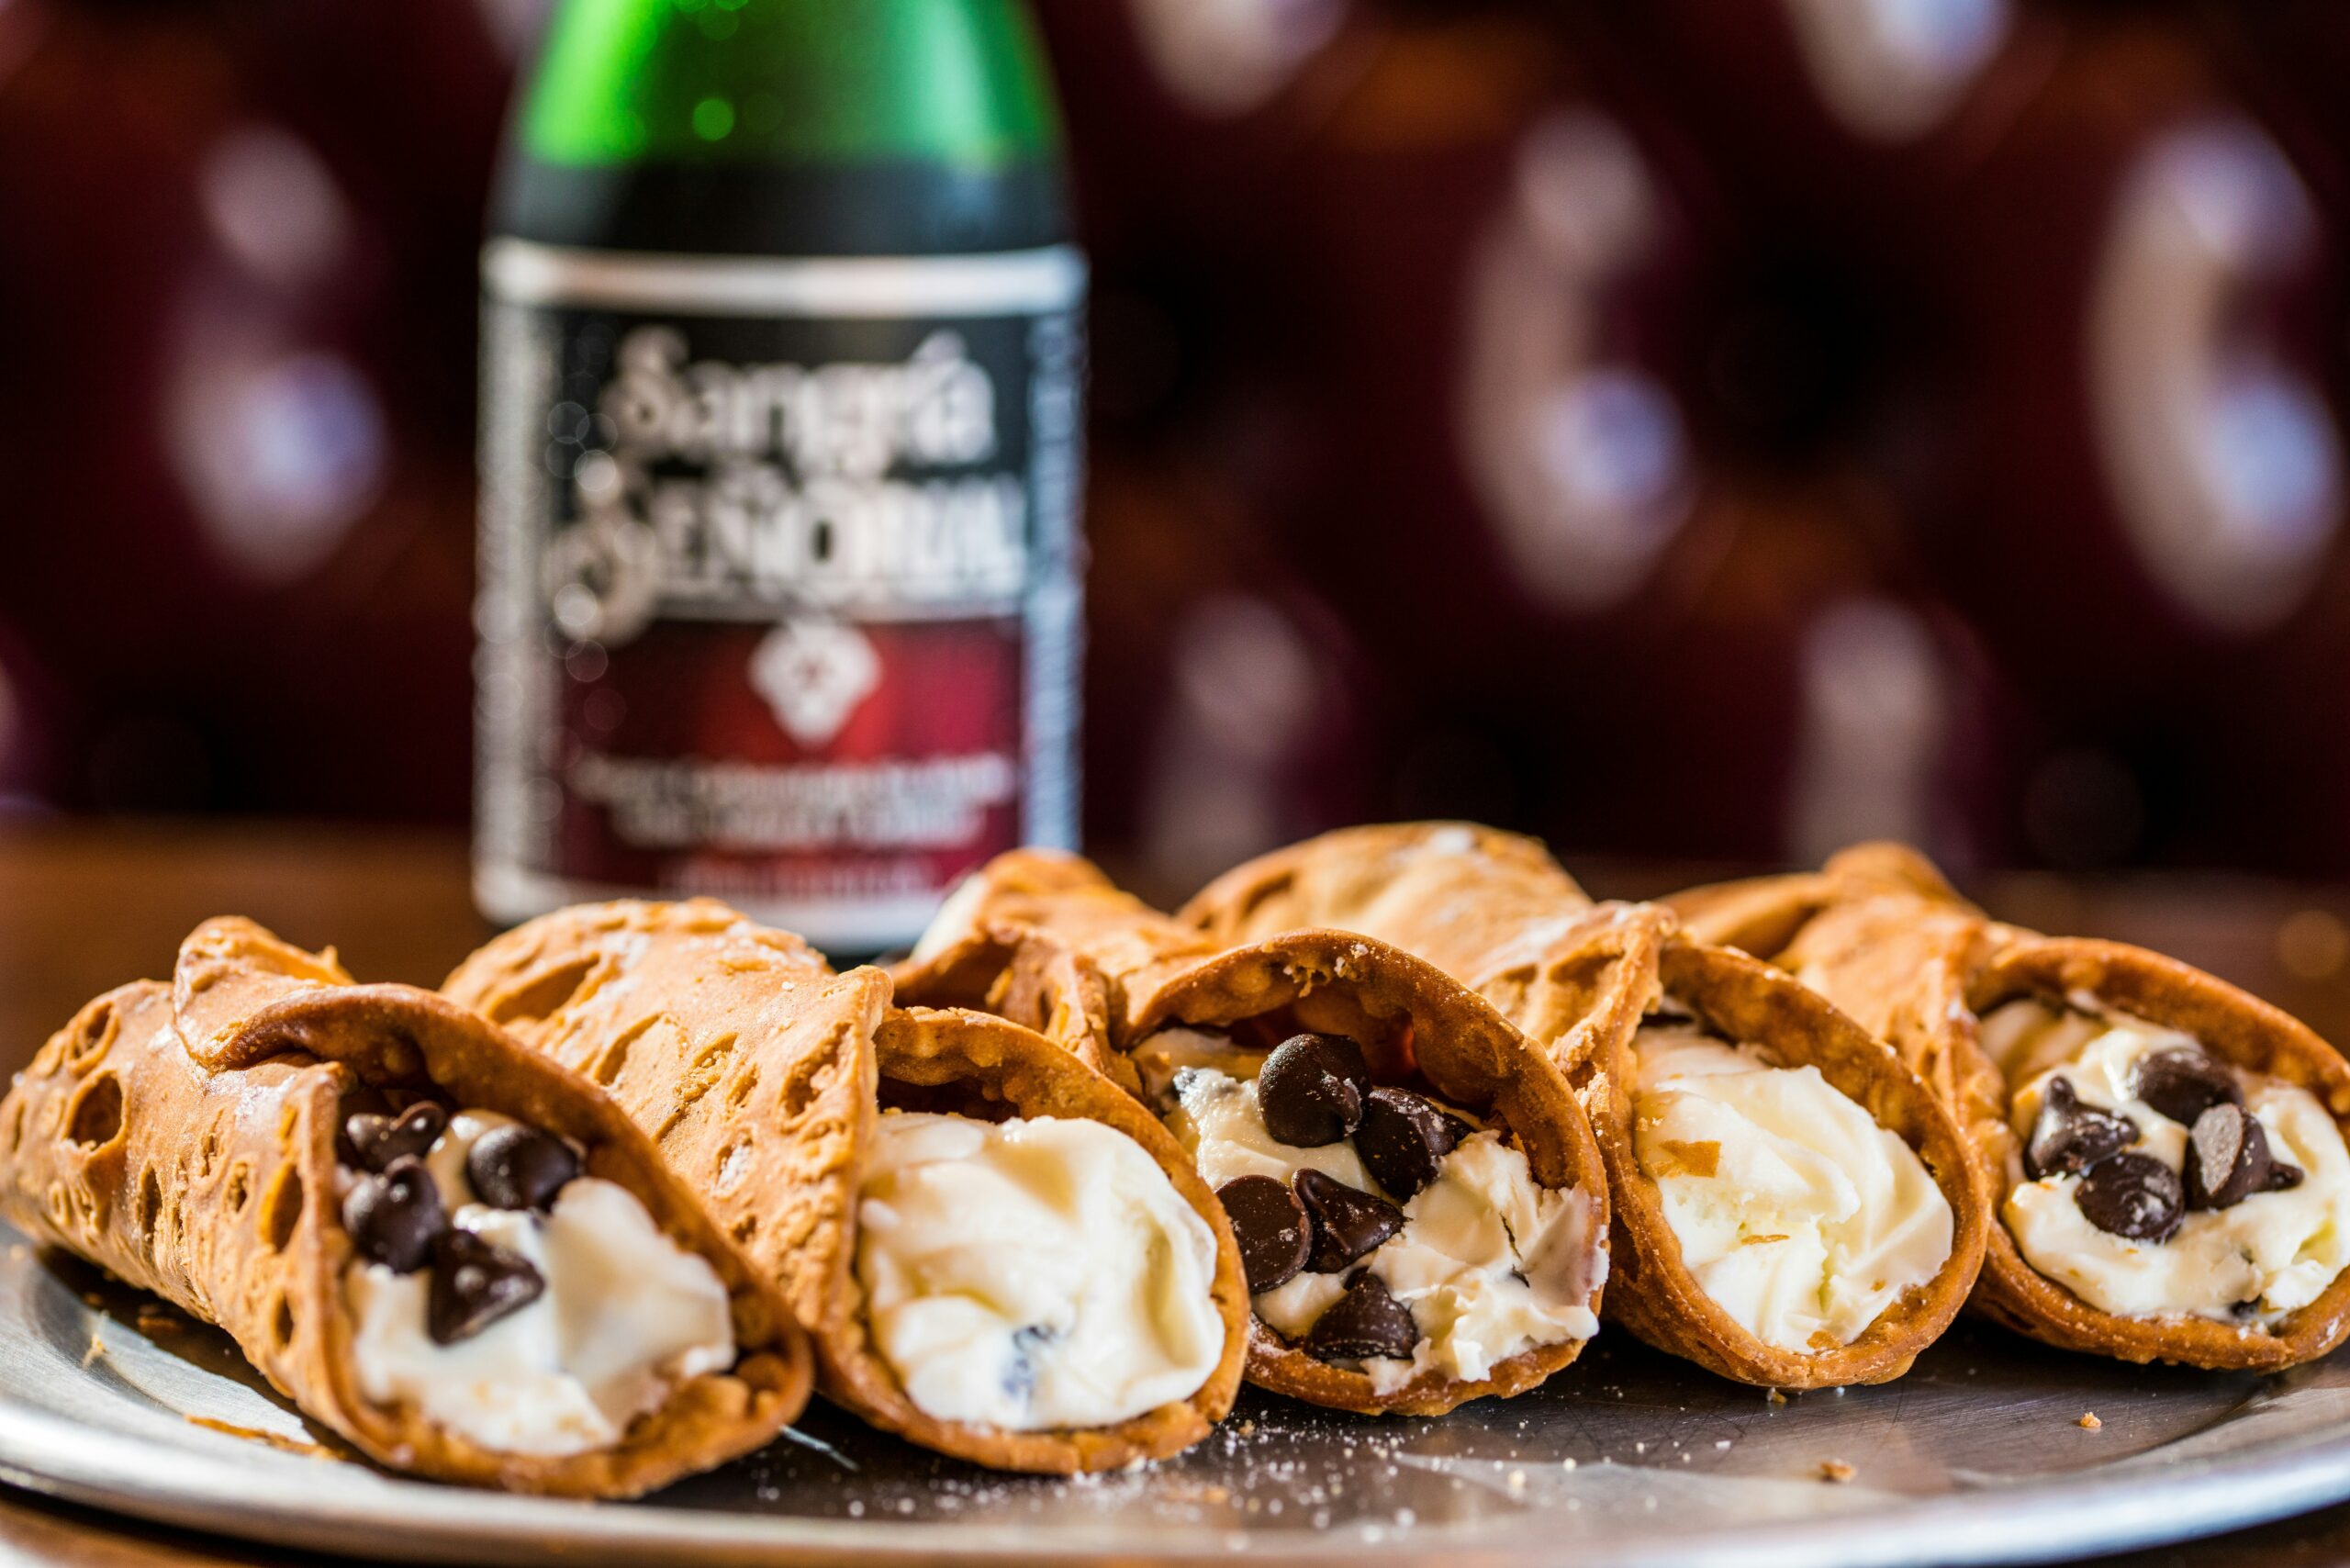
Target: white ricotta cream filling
x,y
1168,1052
955,920
1033,1274
1796,1213
1489,1263
627,1315
2251,1263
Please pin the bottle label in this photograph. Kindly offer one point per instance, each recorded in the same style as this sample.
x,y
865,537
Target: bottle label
x,y
781,577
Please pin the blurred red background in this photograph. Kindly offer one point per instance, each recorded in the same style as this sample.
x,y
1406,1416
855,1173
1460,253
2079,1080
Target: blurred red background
x,y
1671,427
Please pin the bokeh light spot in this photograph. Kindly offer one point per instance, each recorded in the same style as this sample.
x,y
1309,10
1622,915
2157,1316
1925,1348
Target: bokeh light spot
x,y
713,119
2313,945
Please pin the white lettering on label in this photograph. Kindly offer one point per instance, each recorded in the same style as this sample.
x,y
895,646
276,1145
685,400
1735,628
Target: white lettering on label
x,y
730,490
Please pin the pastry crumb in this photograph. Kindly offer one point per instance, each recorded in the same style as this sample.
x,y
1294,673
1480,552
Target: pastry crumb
x,y
2089,1421
1775,1397
1836,1470
256,1435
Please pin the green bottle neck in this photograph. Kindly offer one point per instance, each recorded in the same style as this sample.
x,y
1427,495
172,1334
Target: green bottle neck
x,y
784,82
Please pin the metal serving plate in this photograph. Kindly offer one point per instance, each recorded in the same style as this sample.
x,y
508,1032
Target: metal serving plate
x,y
1979,1455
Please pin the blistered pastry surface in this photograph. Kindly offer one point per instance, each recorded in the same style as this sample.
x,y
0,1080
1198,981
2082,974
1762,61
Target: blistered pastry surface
x,y
757,1069
1579,977
213,1182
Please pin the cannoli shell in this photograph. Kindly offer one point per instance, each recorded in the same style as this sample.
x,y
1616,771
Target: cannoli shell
x,y
747,1059
2231,1024
1761,915
1343,983
1032,978
1045,910
1658,1299
1408,1016
759,1072
987,1068
213,1185
1882,935
1493,909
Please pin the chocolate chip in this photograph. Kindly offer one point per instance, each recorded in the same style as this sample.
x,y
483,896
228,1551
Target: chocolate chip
x,y
1271,1226
1311,1089
394,1218
2228,1159
2068,1137
359,1100
1403,1139
378,1140
1019,1372
2227,1156
1366,1321
2183,1083
517,1167
1347,1223
476,1282
2134,1196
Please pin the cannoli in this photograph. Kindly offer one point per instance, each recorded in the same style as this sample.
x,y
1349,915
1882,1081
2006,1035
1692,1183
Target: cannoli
x,y
1419,1203
1792,1206
1001,1257
2162,1154
413,1226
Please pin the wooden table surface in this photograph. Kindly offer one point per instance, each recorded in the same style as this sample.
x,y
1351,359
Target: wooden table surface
x,y
87,906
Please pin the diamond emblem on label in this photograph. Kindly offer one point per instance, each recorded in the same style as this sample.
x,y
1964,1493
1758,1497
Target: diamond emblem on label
x,y
813,674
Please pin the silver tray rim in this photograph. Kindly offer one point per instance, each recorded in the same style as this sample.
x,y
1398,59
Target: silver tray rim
x,y
2109,1509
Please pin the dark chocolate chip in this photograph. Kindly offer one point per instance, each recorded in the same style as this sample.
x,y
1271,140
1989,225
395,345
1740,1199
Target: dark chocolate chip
x,y
517,1167
2223,1149
394,1218
1019,1372
1271,1226
2228,1159
1366,1321
378,1140
1311,1089
2068,1137
1347,1223
359,1100
1338,1052
476,1282
2134,1196
1403,1139
2183,1083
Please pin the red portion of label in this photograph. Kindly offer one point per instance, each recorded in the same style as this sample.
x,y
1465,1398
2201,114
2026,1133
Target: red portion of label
x,y
678,772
